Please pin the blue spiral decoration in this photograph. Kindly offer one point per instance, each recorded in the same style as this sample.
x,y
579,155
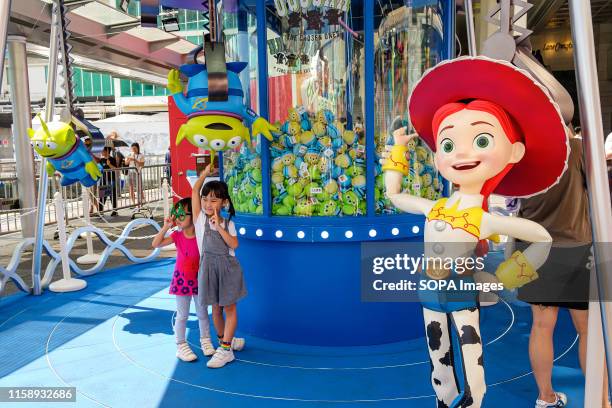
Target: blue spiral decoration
x,y
10,272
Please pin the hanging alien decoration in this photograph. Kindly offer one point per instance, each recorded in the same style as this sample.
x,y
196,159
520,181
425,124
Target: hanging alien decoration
x,y
215,125
65,153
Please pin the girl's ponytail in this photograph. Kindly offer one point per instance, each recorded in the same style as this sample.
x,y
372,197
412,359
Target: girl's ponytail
x,y
231,210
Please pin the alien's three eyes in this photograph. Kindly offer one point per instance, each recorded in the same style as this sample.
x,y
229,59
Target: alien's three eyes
x,y
216,144
39,144
200,140
234,141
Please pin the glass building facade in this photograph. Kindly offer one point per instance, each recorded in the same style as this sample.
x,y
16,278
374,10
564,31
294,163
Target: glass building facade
x,y
89,83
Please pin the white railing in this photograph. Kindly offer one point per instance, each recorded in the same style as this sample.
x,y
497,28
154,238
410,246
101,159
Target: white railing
x,y
113,189
67,244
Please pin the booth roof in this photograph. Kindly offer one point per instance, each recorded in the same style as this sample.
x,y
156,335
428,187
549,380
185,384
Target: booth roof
x,y
133,118
150,131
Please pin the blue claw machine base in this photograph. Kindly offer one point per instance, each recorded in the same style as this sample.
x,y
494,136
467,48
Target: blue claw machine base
x,y
308,290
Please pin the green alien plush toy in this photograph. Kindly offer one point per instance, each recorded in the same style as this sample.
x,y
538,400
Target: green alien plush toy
x,y
331,187
289,201
343,161
295,190
329,208
277,178
307,137
319,129
314,172
65,153
304,207
350,198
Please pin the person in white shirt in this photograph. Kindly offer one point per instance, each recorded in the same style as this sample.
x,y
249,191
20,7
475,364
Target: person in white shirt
x,y
220,278
135,161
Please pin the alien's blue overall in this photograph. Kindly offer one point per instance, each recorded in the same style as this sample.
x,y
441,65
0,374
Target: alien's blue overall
x,y
195,102
72,166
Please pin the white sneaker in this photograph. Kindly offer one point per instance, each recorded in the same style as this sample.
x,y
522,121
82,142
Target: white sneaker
x,y
207,346
560,402
221,358
184,353
238,343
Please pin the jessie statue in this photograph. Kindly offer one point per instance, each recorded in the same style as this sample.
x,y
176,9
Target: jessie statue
x,y
493,129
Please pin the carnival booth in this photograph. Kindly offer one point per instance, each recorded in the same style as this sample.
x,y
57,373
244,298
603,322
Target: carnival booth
x,y
310,198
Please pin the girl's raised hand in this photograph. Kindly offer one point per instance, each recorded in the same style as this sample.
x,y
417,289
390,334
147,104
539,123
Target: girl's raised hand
x,y
214,219
206,172
169,222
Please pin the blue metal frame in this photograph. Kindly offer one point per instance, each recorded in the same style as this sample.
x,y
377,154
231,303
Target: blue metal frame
x,y
262,79
368,12
243,30
449,28
449,37
220,162
349,91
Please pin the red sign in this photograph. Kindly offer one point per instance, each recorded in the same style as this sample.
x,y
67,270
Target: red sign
x,y
181,156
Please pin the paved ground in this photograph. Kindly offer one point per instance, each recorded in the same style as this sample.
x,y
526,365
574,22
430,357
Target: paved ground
x,y
113,342
113,225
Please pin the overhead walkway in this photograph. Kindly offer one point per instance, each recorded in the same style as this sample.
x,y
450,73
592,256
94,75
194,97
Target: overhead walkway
x,y
103,38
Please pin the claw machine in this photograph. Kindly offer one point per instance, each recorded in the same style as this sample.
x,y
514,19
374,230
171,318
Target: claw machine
x,y
335,77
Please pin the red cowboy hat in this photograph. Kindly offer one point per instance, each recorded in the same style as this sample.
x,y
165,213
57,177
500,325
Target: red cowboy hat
x,y
526,101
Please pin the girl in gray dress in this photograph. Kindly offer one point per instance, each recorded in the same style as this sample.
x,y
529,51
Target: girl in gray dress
x,y
220,278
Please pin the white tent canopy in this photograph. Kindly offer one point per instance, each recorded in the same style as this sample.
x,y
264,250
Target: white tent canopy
x,y
150,131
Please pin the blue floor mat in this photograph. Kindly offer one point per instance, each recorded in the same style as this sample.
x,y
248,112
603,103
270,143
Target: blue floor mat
x,y
113,341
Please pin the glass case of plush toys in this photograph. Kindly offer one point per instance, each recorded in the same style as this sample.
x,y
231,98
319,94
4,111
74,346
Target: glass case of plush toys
x,y
318,168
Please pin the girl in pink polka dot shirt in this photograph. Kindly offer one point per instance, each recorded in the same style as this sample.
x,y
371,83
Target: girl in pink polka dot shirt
x,y
184,283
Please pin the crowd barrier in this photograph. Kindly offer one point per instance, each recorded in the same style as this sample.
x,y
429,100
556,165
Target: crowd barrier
x,y
113,237
114,192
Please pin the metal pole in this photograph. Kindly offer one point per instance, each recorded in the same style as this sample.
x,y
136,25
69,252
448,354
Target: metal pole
x,y
67,283
22,120
369,103
167,198
90,258
469,22
264,109
243,52
219,16
59,210
5,13
42,184
449,28
599,197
